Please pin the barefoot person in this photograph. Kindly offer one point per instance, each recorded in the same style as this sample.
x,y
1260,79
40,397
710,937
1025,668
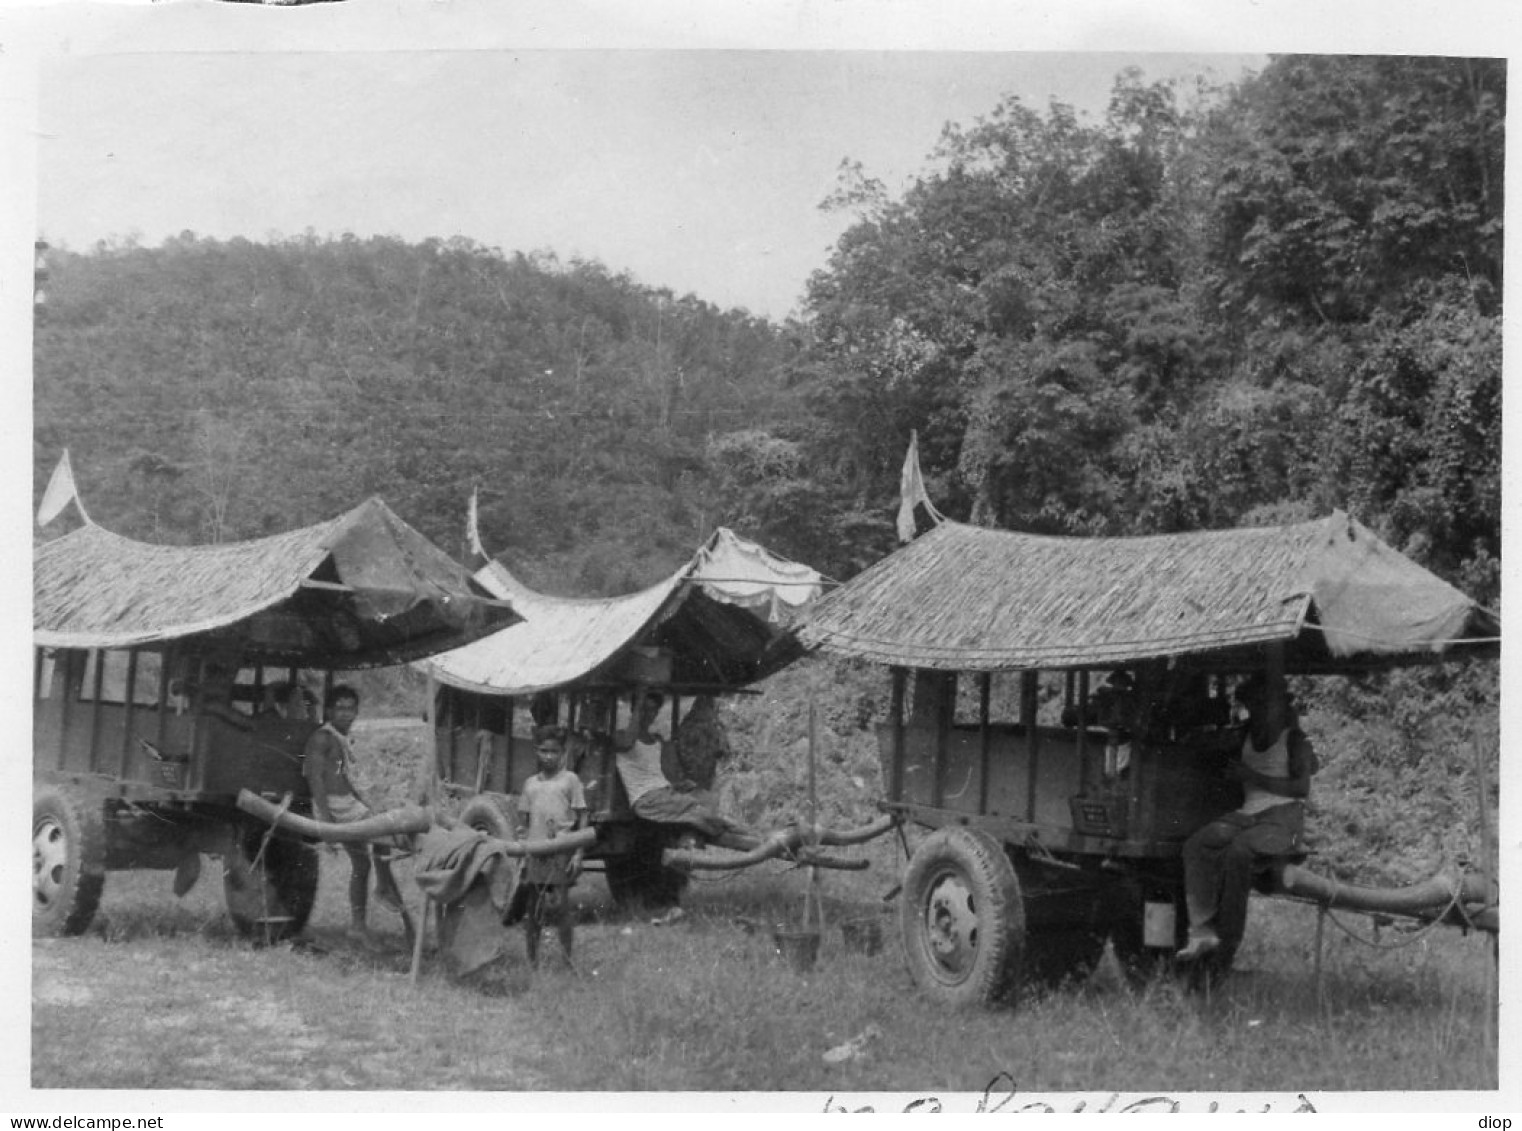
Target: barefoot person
x,y
326,763
1275,770
555,804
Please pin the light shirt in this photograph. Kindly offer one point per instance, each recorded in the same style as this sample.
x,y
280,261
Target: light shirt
x,y
640,769
1273,763
553,805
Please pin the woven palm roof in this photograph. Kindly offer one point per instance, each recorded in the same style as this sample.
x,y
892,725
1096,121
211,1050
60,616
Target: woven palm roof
x,y
965,598
358,590
719,617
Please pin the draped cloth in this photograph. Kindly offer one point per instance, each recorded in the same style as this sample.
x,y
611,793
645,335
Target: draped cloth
x,y
468,875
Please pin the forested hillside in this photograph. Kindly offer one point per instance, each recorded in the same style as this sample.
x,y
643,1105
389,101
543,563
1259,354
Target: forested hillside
x,y
214,390
1214,306
1268,300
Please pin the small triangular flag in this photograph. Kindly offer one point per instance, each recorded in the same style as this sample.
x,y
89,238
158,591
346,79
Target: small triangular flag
x,y
473,526
60,493
911,492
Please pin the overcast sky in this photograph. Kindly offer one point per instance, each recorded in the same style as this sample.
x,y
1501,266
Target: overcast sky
x,y
697,170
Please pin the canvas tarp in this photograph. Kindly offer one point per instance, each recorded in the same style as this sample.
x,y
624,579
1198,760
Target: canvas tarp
x,y
736,571
565,639
1370,598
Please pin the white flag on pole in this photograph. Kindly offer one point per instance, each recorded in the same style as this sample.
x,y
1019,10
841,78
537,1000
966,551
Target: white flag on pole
x,y
60,493
473,528
911,492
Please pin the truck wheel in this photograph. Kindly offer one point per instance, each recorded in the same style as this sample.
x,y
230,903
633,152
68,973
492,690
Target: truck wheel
x,y
486,816
962,922
269,896
68,861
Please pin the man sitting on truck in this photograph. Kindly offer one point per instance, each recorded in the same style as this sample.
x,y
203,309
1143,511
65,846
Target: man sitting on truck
x,y
1275,770
653,797
325,763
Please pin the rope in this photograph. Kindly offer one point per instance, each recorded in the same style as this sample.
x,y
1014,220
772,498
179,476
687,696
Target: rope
x,y
1416,936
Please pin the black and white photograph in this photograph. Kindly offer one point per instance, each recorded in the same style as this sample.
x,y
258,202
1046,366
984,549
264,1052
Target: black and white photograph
x,y
757,557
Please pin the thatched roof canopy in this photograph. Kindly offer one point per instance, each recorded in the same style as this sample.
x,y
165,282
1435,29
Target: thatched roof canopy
x,y
359,590
964,598
720,616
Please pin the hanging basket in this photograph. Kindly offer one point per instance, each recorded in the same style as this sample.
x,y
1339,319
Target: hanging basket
x,y
799,948
863,936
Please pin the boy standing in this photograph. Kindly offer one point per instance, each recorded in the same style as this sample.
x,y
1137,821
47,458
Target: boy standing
x,y
555,803
325,763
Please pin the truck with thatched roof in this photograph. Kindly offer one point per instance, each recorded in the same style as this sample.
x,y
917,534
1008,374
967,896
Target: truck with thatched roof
x,y
1059,722
712,628
154,666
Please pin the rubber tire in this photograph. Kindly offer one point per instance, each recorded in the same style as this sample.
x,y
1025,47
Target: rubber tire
x,y
638,879
962,874
486,816
273,901
68,861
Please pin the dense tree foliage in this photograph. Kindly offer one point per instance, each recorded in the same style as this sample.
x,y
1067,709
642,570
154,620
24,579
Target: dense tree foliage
x,y
214,390
1255,303
1215,305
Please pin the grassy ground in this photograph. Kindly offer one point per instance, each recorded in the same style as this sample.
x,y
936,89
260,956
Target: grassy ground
x,y
161,993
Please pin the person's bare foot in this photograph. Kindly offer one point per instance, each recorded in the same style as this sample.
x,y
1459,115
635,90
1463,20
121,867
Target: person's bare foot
x,y
1198,947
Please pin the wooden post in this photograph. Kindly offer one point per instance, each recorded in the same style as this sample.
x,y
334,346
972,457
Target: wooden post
x,y
166,671
507,751
896,711
100,670
417,939
985,738
1084,775
813,900
1321,912
1032,744
1487,840
128,708
434,791
1492,895
945,714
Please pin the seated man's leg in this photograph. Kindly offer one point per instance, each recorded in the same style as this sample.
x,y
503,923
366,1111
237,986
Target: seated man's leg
x,y
1236,865
1202,854
1272,832
668,807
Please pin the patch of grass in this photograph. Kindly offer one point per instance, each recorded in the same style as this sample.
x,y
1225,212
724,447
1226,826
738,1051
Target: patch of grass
x,y
162,993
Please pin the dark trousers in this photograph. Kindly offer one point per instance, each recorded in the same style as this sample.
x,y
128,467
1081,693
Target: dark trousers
x,y
1219,860
546,905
